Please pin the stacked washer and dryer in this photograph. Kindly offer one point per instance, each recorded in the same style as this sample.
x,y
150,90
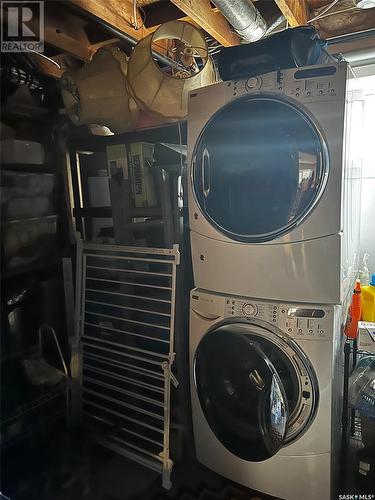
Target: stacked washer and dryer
x,y
274,219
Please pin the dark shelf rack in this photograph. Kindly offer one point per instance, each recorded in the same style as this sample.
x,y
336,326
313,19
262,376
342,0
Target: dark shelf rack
x,y
46,405
32,268
351,422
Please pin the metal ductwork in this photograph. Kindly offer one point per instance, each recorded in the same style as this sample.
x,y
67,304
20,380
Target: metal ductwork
x,y
244,17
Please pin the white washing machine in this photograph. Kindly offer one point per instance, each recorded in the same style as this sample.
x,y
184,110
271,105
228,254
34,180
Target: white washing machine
x,y
265,386
273,196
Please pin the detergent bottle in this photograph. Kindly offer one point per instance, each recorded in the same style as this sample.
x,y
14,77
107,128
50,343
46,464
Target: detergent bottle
x,y
368,301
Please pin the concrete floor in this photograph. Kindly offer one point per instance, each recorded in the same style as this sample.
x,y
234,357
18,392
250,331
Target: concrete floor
x,y
68,466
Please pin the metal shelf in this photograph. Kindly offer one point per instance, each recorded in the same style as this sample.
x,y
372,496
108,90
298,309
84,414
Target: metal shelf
x,y
34,267
36,403
35,415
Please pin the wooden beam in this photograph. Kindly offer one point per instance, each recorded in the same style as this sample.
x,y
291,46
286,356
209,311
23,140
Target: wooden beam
x,y
105,43
64,31
162,12
214,23
316,4
296,12
343,23
117,13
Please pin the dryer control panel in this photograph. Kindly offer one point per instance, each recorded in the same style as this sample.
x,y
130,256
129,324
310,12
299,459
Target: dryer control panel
x,y
299,321
323,83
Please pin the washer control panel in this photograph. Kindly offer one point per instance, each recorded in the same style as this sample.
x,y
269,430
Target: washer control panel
x,y
299,321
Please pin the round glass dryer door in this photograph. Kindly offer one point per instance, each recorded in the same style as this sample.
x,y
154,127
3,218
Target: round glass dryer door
x,y
259,166
255,395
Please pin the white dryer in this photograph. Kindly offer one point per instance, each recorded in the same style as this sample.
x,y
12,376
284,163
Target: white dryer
x,y
273,197
265,391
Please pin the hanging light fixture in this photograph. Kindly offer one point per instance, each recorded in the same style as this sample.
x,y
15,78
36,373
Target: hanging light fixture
x,y
365,4
163,90
98,95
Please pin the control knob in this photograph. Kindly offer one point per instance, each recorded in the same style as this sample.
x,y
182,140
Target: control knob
x,y
249,309
253,83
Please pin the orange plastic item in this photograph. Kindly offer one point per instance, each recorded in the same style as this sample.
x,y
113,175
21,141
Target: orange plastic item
x,y
355,308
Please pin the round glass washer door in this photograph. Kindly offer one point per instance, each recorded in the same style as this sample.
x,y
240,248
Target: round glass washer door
x,y
256,391
259,166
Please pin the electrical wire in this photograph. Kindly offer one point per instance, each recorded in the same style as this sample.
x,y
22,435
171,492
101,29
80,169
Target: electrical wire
x,y
352,71
46,57
181,149
337,12
329,7
181,190
134,24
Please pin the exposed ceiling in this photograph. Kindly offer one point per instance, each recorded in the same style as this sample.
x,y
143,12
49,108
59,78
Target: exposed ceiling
x,y
75,29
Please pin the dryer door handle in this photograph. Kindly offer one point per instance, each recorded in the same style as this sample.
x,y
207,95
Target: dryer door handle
x,y
206,176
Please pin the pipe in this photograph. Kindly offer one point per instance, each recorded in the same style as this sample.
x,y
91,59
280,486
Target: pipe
x,y
244,17
352,37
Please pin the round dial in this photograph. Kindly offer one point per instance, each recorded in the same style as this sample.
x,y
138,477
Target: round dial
x,y
249,309
253,83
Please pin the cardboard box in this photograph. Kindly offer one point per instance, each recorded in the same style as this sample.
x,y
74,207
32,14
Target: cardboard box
x,y
143,186
366,336
117,161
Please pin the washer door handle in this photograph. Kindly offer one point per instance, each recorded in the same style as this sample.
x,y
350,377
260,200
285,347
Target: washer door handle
x,y
206,177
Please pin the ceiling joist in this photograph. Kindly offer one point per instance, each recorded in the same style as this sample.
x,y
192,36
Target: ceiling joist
x,y
75,35
343,18
295,11
118,14
64,31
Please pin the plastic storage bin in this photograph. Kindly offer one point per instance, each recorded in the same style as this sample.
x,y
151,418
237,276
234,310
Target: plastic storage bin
x,y
28,184
15,151
25,196
29,240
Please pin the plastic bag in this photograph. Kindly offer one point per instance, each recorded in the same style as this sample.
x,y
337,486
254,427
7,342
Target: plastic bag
x,y
292,48
362,387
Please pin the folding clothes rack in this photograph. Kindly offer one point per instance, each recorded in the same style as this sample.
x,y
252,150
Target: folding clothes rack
x,y
123,349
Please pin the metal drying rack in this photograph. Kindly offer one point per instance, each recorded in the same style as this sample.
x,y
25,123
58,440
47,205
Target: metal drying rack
x,y
123,349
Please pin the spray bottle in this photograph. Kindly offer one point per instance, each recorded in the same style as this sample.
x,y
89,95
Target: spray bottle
x,y
351,327
364,273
